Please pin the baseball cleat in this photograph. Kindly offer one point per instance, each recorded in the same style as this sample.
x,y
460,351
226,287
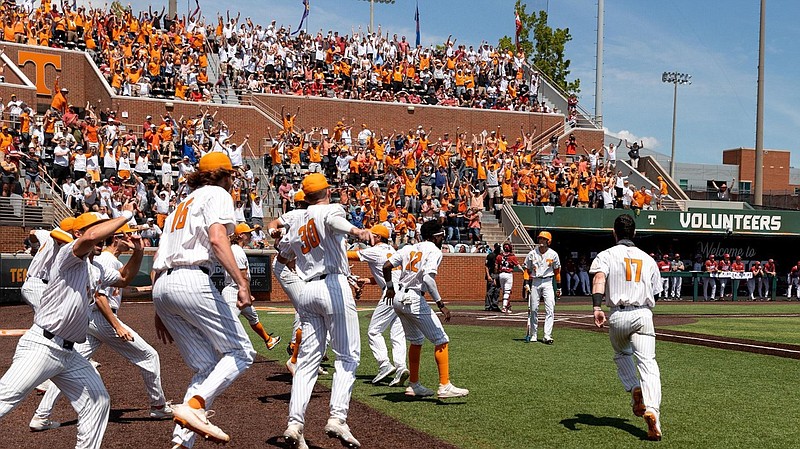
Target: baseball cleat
x,y
418,390
383,373
338,428
293,435
451,391
196,420
548,341
165,412
528,339
95,363
42,424
273,341
653,426
291,367
637,401
504,310
400,378
290,348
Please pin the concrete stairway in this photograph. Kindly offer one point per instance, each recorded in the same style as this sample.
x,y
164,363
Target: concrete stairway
x,y
491,229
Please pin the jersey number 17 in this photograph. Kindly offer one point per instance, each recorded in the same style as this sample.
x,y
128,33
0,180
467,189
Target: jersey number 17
x,y
629,273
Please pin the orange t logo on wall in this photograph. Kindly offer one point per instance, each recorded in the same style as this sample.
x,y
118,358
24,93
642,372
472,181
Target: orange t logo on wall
x,y
40,60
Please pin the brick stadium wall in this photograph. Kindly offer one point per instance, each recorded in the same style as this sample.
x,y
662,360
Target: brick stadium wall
x,y
460,278
591,138
11,238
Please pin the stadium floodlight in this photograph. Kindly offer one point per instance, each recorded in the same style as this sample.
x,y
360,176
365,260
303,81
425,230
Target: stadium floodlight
x,y
372,12
674,78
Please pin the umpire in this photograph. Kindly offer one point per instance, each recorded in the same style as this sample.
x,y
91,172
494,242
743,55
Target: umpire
x,y
492,285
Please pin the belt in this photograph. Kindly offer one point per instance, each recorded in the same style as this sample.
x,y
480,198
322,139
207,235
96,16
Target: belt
x,y
64,343
543,278
190,267
318,277
496,185
628,307
44,281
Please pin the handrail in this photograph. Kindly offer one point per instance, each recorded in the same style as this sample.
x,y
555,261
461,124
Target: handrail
x,y
271,114
517,227
528,68
60,208
269,190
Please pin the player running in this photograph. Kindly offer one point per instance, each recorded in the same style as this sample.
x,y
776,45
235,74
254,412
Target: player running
x,y
629,279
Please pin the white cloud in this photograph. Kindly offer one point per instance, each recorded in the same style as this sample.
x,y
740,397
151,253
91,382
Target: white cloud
x,y
649,142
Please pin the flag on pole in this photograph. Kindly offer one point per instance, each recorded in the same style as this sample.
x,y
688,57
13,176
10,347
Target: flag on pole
x,y
416,18
518,24
306,9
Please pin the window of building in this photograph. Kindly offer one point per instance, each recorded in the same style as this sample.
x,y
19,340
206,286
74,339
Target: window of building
x,y
684,184
744,187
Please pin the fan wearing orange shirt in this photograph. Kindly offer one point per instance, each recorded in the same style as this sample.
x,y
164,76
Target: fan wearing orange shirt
x,y
411,192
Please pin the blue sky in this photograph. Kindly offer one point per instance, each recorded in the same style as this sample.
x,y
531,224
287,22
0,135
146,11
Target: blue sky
x,y
642,40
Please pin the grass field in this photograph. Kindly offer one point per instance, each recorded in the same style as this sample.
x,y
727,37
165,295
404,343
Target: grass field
x,y
727,308
568,396
771,329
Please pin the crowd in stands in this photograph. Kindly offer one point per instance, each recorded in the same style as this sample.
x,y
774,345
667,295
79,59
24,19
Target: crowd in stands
x,y
151,54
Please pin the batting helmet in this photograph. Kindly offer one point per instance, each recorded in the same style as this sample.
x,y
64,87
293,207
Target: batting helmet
x,y
545,235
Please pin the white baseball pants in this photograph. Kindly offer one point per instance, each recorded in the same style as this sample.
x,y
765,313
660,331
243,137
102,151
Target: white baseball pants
x,y
419,321
722,283
231,295
326,305
632,335
541,289
211,340
677,283
384,317
506,284
32,291
38,359
664,287
713,283
138,352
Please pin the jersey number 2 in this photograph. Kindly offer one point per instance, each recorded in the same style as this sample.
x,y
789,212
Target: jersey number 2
x,y
629,273
309,236
181,214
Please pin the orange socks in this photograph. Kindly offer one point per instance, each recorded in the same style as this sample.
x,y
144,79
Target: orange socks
x,y
414,354
259,329
298,337
443,362
197,402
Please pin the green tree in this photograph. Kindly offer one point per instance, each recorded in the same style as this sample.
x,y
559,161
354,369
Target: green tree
x,y
545,49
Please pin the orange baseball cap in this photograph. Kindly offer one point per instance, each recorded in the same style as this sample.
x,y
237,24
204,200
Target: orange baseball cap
x,y
545,235
242,228
125,229
299,196
314,183
87,220
215,160
67,224
380,230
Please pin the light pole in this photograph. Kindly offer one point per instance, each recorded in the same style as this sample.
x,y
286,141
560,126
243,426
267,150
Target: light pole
x,y
675,78
372,12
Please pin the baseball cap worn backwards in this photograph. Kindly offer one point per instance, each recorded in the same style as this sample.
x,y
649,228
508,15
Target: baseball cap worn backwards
x,y
214,161
299,196
314,183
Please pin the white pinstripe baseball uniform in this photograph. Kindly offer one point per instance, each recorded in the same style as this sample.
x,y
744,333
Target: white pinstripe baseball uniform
x,y
38,270
326,304
106,270
541,268
384,317
45,351
632,281
231,290
211,340
419,321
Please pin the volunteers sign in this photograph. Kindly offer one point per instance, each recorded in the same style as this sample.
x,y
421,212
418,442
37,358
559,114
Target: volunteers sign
x,y
703,221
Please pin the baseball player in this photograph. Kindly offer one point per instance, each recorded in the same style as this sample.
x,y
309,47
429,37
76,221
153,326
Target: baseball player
x,y
384,317
542,265
710,268
46,349
506,262
230,292
723,268
318,243
677,281
793,279
420,264
766,281
628,279
105,327
39,268
664,266
190,311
